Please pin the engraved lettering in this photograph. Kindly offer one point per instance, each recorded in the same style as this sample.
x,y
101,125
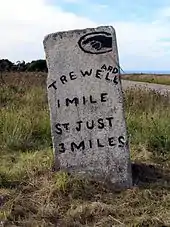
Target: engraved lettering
x,y
63,79
98,73
74,100
79,126
75,146
110,120
86,73
72,76
103,97
90,126
53,85
58,129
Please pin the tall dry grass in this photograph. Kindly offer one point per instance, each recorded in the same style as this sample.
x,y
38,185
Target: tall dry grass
x,y
149,78
31,194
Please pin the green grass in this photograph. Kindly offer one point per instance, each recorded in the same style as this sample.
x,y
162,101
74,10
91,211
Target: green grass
x,y
157,79
148,115
31,194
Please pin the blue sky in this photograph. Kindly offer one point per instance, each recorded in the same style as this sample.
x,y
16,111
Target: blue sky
x,y
142,28
110,10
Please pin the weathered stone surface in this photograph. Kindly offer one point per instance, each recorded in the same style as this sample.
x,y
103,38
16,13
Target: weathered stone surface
x,y
86,104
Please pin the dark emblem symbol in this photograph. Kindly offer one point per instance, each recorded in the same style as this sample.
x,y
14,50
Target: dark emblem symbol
x,y
96,43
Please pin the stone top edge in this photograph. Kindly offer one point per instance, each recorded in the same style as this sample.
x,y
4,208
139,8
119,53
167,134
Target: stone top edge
x,y
55,34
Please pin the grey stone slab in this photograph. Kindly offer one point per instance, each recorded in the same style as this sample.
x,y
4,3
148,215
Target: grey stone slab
x,y
86,104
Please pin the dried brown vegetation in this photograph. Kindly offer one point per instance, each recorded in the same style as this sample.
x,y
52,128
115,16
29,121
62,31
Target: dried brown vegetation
x,y
149,78
32,195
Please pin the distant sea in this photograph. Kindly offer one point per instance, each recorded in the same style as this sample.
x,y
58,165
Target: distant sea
x,y
145,72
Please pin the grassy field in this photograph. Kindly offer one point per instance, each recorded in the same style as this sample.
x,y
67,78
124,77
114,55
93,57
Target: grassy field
x,y
152,78
32,195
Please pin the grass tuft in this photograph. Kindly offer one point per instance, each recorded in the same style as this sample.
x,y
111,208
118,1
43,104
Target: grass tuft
x,y
148,78
147,115
32,195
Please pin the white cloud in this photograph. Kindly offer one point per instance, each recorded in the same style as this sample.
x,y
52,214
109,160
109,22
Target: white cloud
x,y
72,1
24,23
99,7
165,12
141,43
